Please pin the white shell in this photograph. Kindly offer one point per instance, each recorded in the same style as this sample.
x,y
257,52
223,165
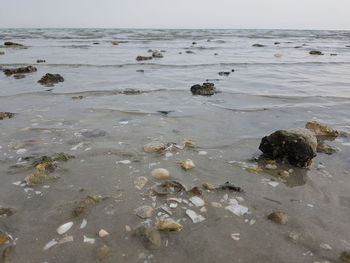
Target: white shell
x,y
89,240
83,224
64,228
194,216
66,239
238,210
103,233
197,201
52,243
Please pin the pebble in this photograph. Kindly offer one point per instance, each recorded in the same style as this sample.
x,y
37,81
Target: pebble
x,y
216,204
278,217
3,238
160,173
271,166
127,228
283,173
154,147
168,224
64,228
187,164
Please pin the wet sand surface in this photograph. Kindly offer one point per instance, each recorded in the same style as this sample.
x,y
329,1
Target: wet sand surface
x,y
107,128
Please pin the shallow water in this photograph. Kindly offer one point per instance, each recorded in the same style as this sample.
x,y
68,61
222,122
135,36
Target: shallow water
x,y
263,94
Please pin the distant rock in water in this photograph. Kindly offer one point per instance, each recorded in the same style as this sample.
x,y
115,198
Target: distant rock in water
x,y
141,58
224,73
22,70
277,43
40,61
50,79
315,52
157,54
258,45
189,52
19,76
207,89
297,146
94,133
2,53
13,44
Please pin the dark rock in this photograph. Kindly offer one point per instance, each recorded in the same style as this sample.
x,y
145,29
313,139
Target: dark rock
x,y
141,58
347,46
6,212
277,43
50,79
194,43
94,133
207,89
96,43
231,187
19,76
2,53
215,54
232,70
131,92
297,146
298,46
333,54
150,51
149,235
224,73
164,112
13,44
189,52
77,97
40,61
195,191
278,217
22,70
140,70
258,45
315,52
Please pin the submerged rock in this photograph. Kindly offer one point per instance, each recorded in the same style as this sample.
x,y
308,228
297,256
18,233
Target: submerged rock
x,y
19,76
297,146
103,253
4,115
50,79
160,173
94,133
7,212
315,52
149,235
224,73
40,61
345,257
207,89
144,211
168,224
157,54
28,69
320,129
327,149
7,254
141,58
2,53
278,217
187,164
81,206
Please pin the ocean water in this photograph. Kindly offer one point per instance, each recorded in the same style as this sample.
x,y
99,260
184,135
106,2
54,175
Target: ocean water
x,y
263,94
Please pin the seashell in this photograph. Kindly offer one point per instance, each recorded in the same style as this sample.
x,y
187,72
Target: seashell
x,y
83,224
64,228
103,233
197,201
196,218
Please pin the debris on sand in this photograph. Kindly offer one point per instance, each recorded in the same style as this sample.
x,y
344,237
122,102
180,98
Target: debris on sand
x,y
187,164
224,73
7,254
28,69
237,209
50,79
82,205
207,89
297,146
278,217
40,61
149,235
4,115
157,54
168,224
141,58
321,130
103,233
315,52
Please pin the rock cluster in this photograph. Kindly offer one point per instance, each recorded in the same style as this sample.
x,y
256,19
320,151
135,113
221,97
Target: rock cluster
x,y
50,79
207,89
22,70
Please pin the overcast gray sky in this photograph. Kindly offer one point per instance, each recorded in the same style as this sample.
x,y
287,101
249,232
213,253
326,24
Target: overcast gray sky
x,y
274,14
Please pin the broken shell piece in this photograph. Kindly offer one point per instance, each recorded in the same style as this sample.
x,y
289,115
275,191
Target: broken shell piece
x,y
278,217
64,228
168,224
325,246
209,186
238,210
89,240
66,239
197,201
154,147
187,164
83,224
195,190
196,218
50,244
103,233
160,173
189,143
167,188
127,228
216,204
140,182
173,205
235,236
144,211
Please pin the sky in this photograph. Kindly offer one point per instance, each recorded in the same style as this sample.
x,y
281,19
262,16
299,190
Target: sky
x,y
235,14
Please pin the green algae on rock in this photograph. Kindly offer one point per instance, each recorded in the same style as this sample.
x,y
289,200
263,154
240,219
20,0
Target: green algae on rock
x,y
82,205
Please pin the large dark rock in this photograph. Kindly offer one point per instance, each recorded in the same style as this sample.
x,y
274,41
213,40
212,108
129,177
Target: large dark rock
x,y
207,89
315,52
22,70
297,146
12,44
50,79
258,45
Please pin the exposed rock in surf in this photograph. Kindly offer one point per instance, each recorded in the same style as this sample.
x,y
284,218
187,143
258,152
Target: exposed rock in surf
x,y
321,130
258,45
315,52
19,76
13,44
189,52
297,146
28,69
327,149
224,73
2,53
141,58
207,89
50,79
157,54
277,43
40,61
4,115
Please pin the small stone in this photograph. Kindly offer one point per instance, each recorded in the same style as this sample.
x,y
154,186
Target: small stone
x,y
207,89
157,54
278,217
2,53
28,69
127,228
64,228
315,52
325,246
103,233
154,147
187,164
168,224
6,212
144,211
141,58
258,45
197,201
50,79
19,76
160,173
209,186
103,253
283,173
321,130
9,43
40,61
195,190
216,204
